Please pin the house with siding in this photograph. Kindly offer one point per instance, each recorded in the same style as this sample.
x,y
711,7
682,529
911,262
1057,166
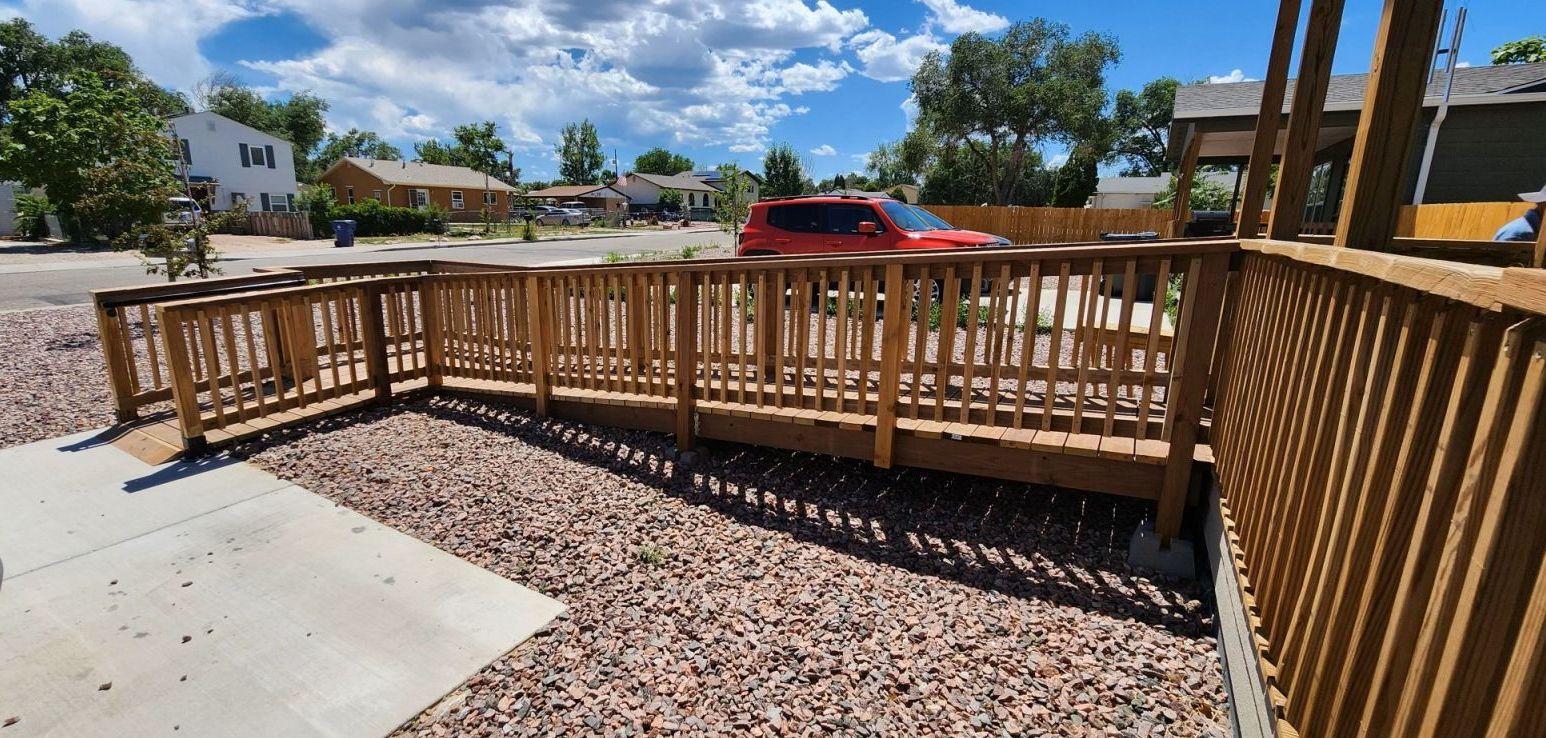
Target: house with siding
x,y
415,184
228,162
1487,148
597,197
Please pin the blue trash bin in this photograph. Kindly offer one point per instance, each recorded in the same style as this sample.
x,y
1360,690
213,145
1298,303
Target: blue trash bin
x,y
343,232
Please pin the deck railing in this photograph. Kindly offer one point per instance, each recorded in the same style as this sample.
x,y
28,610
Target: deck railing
x,y
1379,436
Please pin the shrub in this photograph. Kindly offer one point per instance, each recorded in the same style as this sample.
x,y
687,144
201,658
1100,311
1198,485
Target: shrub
x,y
374,219
32,216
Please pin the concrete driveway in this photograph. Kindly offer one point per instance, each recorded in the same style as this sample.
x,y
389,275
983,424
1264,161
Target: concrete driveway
x,y
214,599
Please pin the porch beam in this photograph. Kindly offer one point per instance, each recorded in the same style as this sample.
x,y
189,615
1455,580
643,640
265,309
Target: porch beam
x,y
1179,209
1387,128
1268,119
1304,119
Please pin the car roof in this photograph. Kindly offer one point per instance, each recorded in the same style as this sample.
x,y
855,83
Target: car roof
x,y
816,199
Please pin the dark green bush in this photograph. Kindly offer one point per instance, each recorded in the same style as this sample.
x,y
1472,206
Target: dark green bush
x,y
374,219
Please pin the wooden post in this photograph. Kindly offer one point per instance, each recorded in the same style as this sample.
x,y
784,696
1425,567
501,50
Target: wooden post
x,y
1392,107
1195,332
1540,248
434,338
537,327
893,335
117,363
1268,118
1304,120
373,338
1183,203
686,358
179,368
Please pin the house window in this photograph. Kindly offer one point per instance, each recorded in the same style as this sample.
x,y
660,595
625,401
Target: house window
x,y
350,192
237,198
376,194
456,200
490,198
279,202
418,198
257,156
692,199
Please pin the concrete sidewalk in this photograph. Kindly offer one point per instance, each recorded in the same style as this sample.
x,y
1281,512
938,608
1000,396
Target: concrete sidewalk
x,y
214,599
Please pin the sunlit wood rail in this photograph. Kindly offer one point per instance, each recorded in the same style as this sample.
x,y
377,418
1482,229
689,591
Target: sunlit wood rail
x,y
1379,437
1059,365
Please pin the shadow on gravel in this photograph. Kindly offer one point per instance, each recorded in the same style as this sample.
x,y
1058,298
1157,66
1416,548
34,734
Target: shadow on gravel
x,y
1026,541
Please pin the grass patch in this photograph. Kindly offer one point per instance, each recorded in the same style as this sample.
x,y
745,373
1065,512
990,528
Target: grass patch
x,y
652,554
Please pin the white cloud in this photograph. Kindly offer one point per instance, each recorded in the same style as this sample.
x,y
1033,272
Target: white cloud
x,y
824,150
954,17
1057,160
889,60
821,77
1234,76
1462,65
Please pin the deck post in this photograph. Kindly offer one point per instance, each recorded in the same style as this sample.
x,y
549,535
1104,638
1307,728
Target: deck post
x,y
892,338
539,330
1195,333
1540,250
1269,119
1393,105
373,338
117,363
1304,120
179,371
434,338
1184,179
686,359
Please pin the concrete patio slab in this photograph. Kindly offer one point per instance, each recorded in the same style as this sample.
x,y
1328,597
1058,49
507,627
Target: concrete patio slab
x,y
264,609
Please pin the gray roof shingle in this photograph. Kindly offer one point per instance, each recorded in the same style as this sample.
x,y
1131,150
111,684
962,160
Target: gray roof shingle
x,y
1346,91
426,175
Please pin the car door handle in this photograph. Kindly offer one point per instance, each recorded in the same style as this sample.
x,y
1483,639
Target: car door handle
x,y
781,240
834,243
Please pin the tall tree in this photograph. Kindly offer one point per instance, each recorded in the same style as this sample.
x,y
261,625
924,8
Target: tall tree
x,y
782,173
890,166
1140,123
1001,99
1075,181
579,154
479,147
297,119
1527,50
29,61
64,142
433,152
661,161
357,143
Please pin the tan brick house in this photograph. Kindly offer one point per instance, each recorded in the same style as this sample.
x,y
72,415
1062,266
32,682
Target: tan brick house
x,y
411,184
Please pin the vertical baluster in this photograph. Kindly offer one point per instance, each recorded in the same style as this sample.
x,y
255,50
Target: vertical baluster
x,y
950,304
150,347
211,353
741,334
970,355
923,305
1055,346
223,314
1028,344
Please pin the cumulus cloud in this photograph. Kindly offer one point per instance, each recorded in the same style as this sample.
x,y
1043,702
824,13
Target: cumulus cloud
x,y
888,59
1235,75
953,17
824,150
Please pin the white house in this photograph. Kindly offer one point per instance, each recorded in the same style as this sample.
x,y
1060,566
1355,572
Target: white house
x,y
235,162
716,180
1139,192
643,190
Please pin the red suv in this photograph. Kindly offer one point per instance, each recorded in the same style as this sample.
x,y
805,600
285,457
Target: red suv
x,y
824,224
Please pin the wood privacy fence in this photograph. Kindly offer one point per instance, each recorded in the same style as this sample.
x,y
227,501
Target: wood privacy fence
x,y
284,225
1379,437
1054,225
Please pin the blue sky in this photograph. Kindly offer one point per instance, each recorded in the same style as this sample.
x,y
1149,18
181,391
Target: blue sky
x,y
718,80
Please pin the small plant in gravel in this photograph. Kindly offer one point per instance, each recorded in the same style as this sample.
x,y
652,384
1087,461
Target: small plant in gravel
x,y
614,257
652,554
692,250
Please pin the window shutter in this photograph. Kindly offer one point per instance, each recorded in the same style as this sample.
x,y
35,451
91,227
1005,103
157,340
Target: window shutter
x,y
268,153
290,201
187,155
246,156
265,201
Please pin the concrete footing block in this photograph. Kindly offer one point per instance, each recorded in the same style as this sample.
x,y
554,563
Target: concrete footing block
x,y
1177,560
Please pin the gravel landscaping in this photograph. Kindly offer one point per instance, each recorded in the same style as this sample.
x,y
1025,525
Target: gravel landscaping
x,y
767,593
52,378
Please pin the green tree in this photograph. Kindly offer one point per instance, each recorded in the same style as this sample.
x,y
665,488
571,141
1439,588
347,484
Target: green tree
x,y
62,143
29,61
670,199
1206,195
661,161
1075,182
579,154
434,152
782,173
356,143
1527,50
890,166
1140,124
955,178
732,203
478,147
1001,99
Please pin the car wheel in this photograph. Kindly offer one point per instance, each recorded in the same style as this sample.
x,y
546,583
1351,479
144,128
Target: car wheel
x,y
936,291
565,222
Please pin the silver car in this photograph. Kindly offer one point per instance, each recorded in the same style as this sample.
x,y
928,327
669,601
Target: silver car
x,y
549,215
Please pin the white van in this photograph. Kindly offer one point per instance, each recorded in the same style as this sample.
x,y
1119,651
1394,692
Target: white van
x,y
183,212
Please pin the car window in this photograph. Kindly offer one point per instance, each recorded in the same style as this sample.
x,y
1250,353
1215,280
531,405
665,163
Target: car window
x,y
904,217
934,220
846,218
797,217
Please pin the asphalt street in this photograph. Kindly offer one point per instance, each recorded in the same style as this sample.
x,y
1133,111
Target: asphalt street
x,y
49,284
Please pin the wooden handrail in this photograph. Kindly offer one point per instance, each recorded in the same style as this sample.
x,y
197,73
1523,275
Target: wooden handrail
x,y
1469,283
